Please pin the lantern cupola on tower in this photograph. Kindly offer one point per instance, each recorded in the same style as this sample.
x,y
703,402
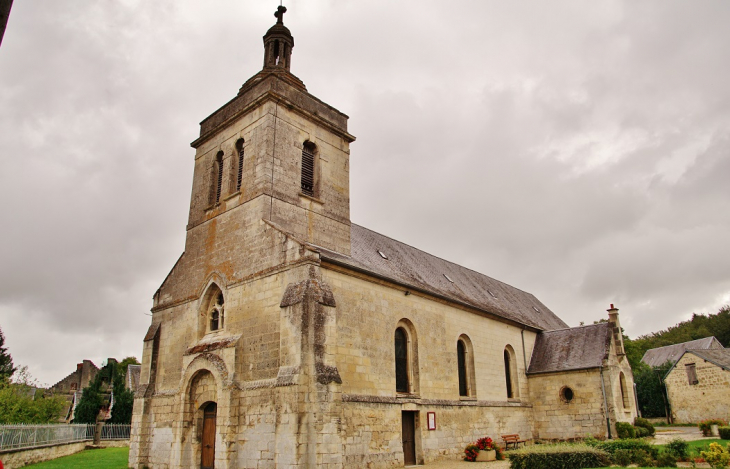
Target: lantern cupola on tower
x,y
278,43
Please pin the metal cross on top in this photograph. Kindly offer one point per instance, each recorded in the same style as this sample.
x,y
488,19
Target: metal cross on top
x,y
280,10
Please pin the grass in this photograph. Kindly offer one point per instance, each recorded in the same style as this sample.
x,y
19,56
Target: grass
x,y
107,458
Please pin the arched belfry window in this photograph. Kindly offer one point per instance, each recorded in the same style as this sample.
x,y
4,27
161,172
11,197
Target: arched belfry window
x,y
401,361
309,151
510,373
465,364
239,169
218,176
215,310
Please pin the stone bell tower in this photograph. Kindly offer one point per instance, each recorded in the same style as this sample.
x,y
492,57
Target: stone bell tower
x,y
278,151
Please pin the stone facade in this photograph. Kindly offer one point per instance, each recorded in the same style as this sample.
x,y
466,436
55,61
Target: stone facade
x,y
709,396
279,318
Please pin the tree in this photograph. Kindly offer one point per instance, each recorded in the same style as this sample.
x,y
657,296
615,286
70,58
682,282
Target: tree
x,y
23,402
98,394
6,361
650,390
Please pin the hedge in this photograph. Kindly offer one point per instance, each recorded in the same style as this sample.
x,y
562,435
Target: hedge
x,y
724,432
633,445
558,457
625,430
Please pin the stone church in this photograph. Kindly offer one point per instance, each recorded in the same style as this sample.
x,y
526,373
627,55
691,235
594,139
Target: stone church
x,y
287,336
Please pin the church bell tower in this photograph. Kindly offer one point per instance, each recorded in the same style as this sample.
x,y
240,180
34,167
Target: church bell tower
x,y
276,153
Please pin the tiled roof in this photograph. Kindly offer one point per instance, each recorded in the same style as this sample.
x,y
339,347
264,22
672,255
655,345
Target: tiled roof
x,y
576,348
720,357
416,269
660,355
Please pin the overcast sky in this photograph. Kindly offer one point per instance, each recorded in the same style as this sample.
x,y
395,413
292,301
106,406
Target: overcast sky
x,y
576,150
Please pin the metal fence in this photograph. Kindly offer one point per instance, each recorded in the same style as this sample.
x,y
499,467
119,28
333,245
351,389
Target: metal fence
x,y
29,436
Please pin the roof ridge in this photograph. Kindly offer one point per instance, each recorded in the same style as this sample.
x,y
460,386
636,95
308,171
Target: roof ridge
x,y
682,343
576,327
442,259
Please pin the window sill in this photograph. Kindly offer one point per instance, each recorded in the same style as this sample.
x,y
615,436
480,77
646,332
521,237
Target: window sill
x,y
407,395
212,207
467,398
514,399
312,198
230,196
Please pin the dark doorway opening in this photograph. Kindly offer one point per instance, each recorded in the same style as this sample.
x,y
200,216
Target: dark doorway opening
x,y
409,437
207,455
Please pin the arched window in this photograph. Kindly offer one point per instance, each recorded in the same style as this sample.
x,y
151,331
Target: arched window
x,y
308,168
216,311
624,390
239,175
465,363
218,176
402,381
510,373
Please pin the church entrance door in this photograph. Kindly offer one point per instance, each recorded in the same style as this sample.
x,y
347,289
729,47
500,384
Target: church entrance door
x,y
409,437
207,456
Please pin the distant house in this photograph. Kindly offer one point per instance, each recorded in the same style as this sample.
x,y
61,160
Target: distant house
x,y
72,385
698,385
660,355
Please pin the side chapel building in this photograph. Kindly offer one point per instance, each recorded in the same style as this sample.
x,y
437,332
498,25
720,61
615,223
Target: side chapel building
x,y
287,336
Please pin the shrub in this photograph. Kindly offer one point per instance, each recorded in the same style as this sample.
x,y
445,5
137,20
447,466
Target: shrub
x,y
641,432
706,425
625,430
471,452
558,457
622,457
633,445
642,458
724,432
666,459
717,456
678,448
644,423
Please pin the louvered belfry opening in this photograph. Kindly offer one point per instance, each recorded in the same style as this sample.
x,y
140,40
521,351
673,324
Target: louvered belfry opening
x,y
308,151
219,176
239,176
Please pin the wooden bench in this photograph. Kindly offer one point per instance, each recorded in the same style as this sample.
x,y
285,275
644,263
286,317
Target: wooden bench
x,y
513,440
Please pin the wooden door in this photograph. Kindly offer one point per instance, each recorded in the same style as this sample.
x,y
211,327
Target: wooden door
x,y
207,455
409,438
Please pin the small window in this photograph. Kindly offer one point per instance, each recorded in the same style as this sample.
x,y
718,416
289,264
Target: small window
x,y
691,373
566,394
308,169
624,390
239,176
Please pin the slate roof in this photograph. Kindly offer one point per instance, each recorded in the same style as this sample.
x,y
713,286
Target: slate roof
x,y
660,355
133,376
416,269
720,357
577,348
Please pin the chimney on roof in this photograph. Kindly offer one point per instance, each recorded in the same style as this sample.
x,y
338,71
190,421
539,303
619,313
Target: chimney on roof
x,y
618,337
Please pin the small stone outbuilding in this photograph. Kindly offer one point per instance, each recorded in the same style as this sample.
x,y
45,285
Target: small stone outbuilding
x,y
698,386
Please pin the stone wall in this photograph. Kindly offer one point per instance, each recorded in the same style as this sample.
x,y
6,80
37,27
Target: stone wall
x,y
24,457
708,399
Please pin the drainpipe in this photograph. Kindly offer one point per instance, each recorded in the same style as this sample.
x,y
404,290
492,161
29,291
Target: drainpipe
x,y
636,401
605,404
524,354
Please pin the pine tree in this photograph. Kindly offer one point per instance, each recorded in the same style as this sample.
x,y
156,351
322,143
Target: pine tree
x,y
6,361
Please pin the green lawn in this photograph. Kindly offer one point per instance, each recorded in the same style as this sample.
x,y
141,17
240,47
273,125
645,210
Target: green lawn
x,y
107,458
